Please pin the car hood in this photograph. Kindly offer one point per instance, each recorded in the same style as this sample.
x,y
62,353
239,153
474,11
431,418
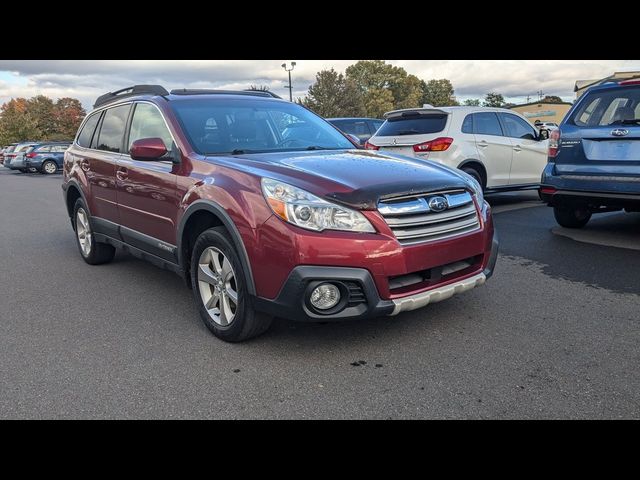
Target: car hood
x,y
357,178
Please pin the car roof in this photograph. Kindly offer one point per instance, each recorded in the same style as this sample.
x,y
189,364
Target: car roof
x,y
353,118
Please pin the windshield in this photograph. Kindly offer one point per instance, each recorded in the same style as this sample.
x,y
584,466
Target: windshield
x,y
239,126
616,106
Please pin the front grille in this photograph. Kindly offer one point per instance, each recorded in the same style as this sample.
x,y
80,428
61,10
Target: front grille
x,y
413,221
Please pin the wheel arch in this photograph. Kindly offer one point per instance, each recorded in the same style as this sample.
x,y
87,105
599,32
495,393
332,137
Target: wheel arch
x,y
73,191
476,164
202,215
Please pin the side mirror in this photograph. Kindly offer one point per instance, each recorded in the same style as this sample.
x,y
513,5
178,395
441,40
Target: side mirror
x,y
148,149
354,139
544,134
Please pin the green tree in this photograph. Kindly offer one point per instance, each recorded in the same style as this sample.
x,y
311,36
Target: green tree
x,y
259,88
41,108
551,99
493,99
438,93
384,87
472,102
334,95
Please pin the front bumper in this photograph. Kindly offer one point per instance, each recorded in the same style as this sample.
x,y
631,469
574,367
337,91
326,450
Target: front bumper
x,y
291,301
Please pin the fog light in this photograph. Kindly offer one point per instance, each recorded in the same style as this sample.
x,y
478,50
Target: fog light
x,y
325,296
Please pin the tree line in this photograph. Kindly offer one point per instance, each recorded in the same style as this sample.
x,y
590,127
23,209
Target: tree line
x,y
369,88
39,118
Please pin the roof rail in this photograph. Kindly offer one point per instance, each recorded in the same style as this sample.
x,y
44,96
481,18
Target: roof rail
x,y
129,92
204,91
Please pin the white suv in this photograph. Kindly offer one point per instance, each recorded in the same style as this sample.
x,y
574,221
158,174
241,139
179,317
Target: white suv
x,y
496,146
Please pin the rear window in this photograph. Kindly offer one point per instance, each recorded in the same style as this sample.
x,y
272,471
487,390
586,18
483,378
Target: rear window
x,y
416,125
608,107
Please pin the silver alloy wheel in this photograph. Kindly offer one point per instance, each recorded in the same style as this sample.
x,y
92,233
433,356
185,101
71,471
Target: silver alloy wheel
x,y
50,167
217,285
83,230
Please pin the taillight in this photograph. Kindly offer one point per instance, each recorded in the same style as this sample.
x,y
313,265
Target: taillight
x,y
437,145
31,155
371,146
554,143
548,190
634,81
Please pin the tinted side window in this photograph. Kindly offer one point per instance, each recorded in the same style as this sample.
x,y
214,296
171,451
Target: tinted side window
x,y
84,139
59,148
148,123
112,129
354,127
486,123
467,124
376,125
517,127
44,149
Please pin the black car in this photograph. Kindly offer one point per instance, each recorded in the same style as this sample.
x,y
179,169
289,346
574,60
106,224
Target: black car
x,y
363,128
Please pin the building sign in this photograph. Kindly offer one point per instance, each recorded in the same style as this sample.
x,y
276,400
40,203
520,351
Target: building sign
x,y
541,113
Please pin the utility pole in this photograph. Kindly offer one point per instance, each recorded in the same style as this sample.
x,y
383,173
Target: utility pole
x,y
540,95
528,98
290,87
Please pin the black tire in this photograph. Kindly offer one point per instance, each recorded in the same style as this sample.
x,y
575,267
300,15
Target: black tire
x,y
45,165
99,252
475,174
246,323
571,216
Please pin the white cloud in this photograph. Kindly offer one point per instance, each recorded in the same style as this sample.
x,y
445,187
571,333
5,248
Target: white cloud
x,y
87,79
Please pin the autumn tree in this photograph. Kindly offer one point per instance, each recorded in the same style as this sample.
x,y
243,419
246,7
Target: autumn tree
x,y
16,122
39,118
68,115
334,95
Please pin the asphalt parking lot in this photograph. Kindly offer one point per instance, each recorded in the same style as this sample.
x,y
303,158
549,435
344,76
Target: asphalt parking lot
x,y
554,334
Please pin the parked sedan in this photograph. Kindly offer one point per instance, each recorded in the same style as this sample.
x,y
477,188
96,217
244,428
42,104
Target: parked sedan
x,y
46,158
14,160
18,161
362,128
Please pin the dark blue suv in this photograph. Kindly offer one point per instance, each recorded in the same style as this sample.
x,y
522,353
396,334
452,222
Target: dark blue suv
x,y
47,157
594,156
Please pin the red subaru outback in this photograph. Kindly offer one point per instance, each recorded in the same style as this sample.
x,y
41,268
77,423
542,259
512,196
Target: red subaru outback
x,y
268,210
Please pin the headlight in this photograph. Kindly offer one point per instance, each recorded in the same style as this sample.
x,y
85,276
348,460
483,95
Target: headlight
x,y
305,210
475,186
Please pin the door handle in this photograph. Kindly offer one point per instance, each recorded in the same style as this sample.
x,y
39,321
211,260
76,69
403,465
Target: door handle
x,y
84,165
517,148
483,143
121,174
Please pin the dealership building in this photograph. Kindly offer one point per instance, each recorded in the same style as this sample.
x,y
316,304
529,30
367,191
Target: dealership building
x,y
545,112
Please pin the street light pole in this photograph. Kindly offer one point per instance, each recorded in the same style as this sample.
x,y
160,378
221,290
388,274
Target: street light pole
x,y
290,87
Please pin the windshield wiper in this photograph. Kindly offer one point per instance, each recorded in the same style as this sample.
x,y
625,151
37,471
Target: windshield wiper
x,y
240,151
628,121
317,147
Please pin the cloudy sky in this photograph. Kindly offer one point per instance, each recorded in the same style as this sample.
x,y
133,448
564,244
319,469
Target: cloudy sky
x,y
87,79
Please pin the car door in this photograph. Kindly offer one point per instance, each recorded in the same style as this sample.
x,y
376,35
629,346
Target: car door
x,y
494,148
99,164
147,189
529,150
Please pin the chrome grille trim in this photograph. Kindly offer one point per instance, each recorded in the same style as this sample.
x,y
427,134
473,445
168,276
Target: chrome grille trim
x,y
412,221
